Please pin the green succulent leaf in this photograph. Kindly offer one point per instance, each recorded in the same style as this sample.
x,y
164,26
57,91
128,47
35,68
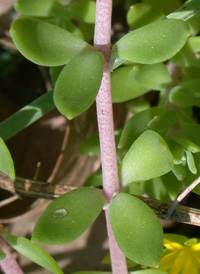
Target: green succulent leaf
x,y
191,131
190,162
154,43
2,255
186,11
137,230
44,43
187,144
148,157
78,84
26,115
68,216
165,6
95,179
137,125
163,121
142,14
90,145
83,10
34,8
137,105
154,76
179,172
6,161
190,177
172,185
123,89
32,252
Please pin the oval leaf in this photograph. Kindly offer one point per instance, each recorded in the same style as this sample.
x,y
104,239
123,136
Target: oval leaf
x,y
67,217
154,43
6,161
137,230
154,76
34,8
83,10
142,14
45,44
78,84
32,252
123,89
148,157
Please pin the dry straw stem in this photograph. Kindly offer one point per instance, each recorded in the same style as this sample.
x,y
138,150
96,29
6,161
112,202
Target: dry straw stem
x,y
31,188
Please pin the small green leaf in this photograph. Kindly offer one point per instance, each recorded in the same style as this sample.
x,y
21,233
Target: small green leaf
x,y
67,217
190,162
26,115
95,179
172,185
190,177
44,43
148,157
137,105
137,230
78,84
123,89
90,145
6,161
154,76
165,6
154,43
179,171
188,10
34,8
175,238
2,255
183,97
142,14
187,144
83,10
32,252
137,125
163,121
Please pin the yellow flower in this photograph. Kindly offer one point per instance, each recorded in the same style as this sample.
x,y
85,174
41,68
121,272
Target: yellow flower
x,y
181,256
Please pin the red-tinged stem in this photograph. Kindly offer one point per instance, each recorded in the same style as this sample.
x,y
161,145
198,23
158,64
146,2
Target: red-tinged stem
x,y
9,264
106,126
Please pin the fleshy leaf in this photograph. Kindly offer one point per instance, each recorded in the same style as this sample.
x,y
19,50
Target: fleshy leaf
x,y
83,10
6,161
26,115
163,121
78,84
137,230
188,10
142,14
137,125
148,157
32,252
191,163
154,76
68,216
190,177
45,44
2,255
172,185
123,89
154,43
34,8
187,144
165,6
137,105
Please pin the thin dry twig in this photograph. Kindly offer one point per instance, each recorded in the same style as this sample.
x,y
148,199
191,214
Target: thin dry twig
x,y
32,188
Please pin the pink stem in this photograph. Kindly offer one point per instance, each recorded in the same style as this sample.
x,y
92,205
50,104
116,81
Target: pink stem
x,y
106,126
9,264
